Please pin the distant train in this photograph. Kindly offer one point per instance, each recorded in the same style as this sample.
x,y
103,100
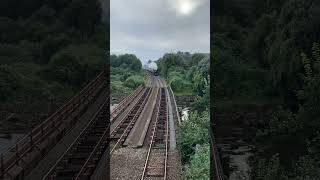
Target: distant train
x,y
154,72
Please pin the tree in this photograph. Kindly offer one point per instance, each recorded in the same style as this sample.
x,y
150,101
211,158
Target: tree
x,y
192,132
84,15
126,61
66,68
9,82
199,166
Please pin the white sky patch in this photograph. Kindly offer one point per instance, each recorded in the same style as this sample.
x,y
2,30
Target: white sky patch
x,y
150,28
186,7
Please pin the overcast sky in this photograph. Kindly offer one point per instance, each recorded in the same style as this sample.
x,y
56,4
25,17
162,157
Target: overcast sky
x,y
150,28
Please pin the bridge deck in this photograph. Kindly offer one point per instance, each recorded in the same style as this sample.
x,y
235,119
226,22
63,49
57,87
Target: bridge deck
x,y
54,154
128,161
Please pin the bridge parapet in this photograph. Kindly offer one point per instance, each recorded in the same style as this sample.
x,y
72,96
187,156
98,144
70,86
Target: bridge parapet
x,y
216,172
24,146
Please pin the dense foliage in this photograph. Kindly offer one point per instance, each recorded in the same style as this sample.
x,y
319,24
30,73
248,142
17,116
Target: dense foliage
x,y
47,46
126,73
199,167
275,55
188,75
126,61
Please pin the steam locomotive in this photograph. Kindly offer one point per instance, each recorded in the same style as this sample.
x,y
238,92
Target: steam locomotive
x,y
154,72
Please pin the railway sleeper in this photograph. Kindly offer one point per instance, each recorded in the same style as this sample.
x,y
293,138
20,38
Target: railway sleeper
x,y
116,137
124,124
159,146
68,167
88,141
119,131
81,148
66,174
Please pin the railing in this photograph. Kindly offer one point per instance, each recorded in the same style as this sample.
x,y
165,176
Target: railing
x,y
14,154
175,104
217,173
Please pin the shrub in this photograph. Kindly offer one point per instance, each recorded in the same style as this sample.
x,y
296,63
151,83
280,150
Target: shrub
x,y
192,132
199,167
133,81
9,82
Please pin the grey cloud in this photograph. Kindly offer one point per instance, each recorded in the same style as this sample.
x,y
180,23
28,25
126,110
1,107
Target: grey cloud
x,y
150,28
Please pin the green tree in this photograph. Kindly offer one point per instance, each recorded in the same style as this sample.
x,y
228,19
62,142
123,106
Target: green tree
x,y
10,82
199,166
83,15
66,68
192,132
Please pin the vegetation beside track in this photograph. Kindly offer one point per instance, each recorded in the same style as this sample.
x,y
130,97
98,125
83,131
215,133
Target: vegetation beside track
x,y
188,75
273,55
126,73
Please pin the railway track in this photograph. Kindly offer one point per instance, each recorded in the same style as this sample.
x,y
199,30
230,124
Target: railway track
x,y
150,80
155,166
161,83
83,155
81,158
125,102
122,130
19,152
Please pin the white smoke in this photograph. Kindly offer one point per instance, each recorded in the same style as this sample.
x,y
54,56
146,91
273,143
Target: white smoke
x,y
151,66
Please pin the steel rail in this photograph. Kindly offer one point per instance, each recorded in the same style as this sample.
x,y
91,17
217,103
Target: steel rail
x,y
125,102
125,116
14,154
167,135
125,99
154,131
85,129
160,82
150,79
152,137
147,79
131,123
90,158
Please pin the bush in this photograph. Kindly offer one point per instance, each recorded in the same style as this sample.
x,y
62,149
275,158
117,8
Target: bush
x,y
199,167
117,87
192,132
268,169
66,68
134,81
9,82
180,85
